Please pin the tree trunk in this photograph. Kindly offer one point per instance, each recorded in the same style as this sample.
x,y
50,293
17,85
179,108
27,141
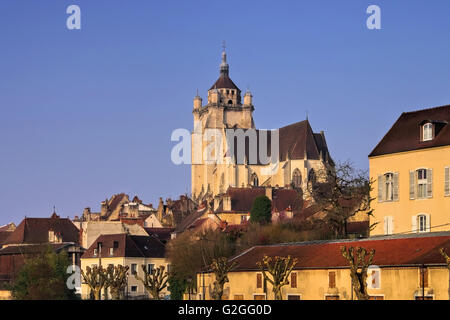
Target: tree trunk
x,y
97,294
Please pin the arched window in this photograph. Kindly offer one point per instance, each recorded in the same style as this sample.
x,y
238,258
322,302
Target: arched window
x,y
427,132
254,180
297,178
230,101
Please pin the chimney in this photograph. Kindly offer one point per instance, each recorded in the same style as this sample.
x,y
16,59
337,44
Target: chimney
x,y
227,203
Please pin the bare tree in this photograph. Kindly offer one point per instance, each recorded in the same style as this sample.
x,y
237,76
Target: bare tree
x,y
341,193
447,261
279,269
116,280
220,267
154,280
95,278
359,260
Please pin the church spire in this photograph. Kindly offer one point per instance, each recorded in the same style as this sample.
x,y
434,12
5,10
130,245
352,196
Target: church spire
x,y
224,68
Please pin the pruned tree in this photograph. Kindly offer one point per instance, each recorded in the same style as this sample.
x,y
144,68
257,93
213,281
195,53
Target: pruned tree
x,y
447,261
341,193
154,280
279,270
116,280
95,278
359,260
220,267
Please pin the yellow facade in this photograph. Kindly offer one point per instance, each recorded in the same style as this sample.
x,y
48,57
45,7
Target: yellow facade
x,y
402,214
395,283
132,281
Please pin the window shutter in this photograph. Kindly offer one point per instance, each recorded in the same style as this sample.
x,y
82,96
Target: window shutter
x,y
414,224
412,185
380,188
385,227
429,183
332,279
293,280
392,225
447,181
428,222
396,187
258,280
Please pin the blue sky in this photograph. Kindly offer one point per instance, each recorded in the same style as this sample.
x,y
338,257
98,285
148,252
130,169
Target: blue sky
x,y
89,113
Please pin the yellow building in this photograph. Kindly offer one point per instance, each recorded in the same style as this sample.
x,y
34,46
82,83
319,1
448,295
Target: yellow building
x,y
126,250
405,267
411,166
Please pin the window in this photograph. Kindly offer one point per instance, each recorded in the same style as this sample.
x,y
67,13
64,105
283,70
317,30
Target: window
x,y
423,298
293,297
388,225
111,251
230,101
421,184
332,297
421,223
150,267
427,132
373,279
254,180
259,297
297,179
244,218
116,244
238,297
388,187
95,252
133,288
332,279
376,298
312,176
294,280
133,268
259,280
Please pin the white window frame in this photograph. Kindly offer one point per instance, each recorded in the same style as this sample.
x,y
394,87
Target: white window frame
x,y
422,182
388,186
421,223
427,132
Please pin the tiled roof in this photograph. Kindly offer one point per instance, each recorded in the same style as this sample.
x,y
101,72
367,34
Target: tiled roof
x,y
35,230
163,234
295,141
33,248
405,133
128,246
389,251
242,199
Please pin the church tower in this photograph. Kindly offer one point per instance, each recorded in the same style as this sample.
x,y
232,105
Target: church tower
x,y
224,110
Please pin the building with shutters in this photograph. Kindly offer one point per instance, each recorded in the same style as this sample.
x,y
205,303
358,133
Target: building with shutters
x,y
405,267
411,167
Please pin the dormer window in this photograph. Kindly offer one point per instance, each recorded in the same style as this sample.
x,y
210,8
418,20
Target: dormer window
x,y
427,132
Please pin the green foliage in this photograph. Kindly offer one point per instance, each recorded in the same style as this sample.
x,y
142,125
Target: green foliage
x,y
43,277
261,211
177,286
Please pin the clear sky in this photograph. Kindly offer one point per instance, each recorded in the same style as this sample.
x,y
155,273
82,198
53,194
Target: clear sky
x,y
89,113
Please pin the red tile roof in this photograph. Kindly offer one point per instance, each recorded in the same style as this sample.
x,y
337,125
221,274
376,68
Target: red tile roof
x,y
405,133
399,251
35,230
128,246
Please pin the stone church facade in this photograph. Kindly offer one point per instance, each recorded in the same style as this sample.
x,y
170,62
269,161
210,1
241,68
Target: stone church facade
x,y
217,161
